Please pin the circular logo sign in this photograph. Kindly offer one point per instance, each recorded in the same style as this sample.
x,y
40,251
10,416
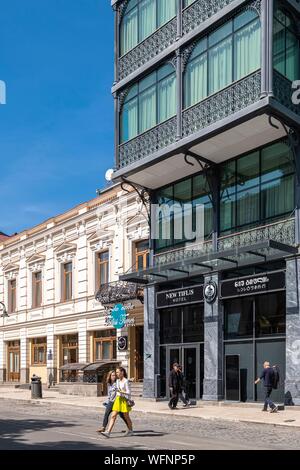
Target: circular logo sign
x,y
118,316
210,292
122,343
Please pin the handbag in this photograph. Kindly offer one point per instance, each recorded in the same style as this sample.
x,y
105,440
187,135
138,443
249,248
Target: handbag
x,y
130,402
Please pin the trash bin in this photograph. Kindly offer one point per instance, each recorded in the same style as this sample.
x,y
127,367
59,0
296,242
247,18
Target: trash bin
x,y
36,387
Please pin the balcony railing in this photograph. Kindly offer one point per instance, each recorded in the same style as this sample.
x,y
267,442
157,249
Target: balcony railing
x,y
283,232
228,101
147,143
148,49
200,11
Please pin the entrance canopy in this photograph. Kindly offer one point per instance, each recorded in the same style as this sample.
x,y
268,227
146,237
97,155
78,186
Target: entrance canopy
x,y
236,257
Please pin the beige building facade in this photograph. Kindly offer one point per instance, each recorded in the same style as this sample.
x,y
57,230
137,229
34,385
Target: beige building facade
x,y
49,277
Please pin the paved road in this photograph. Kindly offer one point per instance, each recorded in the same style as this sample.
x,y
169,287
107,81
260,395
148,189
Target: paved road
x,y
28,426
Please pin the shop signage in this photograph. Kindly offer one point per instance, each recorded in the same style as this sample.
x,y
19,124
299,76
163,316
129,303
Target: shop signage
x,y
186,295
210,291
122,343
118,316
257,284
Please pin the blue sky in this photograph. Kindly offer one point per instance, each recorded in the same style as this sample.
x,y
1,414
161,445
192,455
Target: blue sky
x,y
56,129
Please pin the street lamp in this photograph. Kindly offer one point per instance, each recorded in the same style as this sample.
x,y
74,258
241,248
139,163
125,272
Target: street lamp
x,y
4,311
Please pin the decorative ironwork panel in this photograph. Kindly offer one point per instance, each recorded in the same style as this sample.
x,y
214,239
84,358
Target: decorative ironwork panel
x,y
119,291
149,142
200,11
180,254
148,49
283,232
228,101
283,92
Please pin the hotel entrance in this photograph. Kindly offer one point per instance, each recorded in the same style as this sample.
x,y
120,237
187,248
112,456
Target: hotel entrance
x,y
13,361
182,338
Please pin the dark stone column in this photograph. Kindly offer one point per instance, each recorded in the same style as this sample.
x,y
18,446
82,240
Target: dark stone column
x,y
213,347
292,379
179,93
150,343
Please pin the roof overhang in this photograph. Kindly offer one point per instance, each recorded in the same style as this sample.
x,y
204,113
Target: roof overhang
x,y
215,261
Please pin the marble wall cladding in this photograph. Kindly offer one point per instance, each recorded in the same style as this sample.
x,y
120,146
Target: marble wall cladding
x,y
150,343
2,375
213,348
292,379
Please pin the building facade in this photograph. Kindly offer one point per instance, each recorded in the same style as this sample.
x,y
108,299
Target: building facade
x,y
49,277
206,117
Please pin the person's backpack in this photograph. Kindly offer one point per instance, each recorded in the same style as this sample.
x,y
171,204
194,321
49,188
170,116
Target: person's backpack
x,y
276,377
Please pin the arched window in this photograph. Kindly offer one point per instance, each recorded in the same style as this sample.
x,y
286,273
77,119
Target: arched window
x,y
227,54
286,45
142,18
149,102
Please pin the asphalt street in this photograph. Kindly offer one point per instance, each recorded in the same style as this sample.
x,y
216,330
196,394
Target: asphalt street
x,y
31,426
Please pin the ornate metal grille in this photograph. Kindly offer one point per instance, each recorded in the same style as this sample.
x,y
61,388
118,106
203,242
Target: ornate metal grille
x,y
190,251
119,291
235,97
145,144
200,11
148,49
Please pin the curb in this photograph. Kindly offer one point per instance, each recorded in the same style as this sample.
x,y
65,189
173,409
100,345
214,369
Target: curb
x,y
40,402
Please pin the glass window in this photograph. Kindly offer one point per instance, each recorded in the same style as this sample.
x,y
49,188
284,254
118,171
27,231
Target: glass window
x,y
238,318
37,289
170,326
193,323
39,351
286,45
141,18
67,281
12,295
102,274
142,255
257,188
149,102
270,314
227,54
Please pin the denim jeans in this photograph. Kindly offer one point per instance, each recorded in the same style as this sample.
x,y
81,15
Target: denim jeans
x,y
108,412
268,400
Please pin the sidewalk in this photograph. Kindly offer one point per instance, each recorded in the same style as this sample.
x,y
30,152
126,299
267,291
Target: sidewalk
x,y
250,413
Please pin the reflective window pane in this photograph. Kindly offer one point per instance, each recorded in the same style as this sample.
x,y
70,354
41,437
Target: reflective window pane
x,y
270,314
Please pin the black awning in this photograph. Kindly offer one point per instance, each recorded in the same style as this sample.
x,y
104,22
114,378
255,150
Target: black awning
x,y
239,256
119,291
74,366
99,365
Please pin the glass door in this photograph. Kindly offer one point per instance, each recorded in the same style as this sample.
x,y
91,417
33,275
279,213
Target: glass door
x,y
188,356
14,364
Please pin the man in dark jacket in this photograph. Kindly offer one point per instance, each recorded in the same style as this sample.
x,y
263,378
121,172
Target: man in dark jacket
x,y
174,386
267,376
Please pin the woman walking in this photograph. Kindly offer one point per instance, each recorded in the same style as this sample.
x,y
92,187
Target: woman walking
x,y
121,403
112,394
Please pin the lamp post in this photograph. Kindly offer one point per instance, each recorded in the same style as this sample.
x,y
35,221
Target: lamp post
x,y
4,311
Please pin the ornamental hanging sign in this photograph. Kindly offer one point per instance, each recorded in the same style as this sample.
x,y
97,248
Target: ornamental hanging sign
x,y
118,316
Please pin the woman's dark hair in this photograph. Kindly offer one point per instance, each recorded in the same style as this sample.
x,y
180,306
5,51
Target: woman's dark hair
x,y
108,379
121,369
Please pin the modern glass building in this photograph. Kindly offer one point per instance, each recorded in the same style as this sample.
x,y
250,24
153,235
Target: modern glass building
x,y
208,133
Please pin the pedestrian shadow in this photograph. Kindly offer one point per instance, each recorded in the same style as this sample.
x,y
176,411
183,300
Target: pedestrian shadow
x,y
148,433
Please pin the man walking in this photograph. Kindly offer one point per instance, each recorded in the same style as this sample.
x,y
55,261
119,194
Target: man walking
x,y
183,395
268,376
174,386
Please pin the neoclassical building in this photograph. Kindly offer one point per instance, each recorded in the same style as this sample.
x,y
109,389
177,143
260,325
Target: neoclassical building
x,y
205,115
49,277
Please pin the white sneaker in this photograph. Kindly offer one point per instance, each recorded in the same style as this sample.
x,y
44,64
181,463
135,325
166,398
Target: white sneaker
x,y
129,433
106,434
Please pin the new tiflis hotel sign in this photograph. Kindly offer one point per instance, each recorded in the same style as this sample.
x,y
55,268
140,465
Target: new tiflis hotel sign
x,y
186,295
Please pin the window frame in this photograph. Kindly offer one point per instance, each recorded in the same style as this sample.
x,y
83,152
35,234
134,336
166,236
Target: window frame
x,y
144,254
291,30
140,41
36,346
100,263
233,33
64,275
12,295
36,303
108,337
156,83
